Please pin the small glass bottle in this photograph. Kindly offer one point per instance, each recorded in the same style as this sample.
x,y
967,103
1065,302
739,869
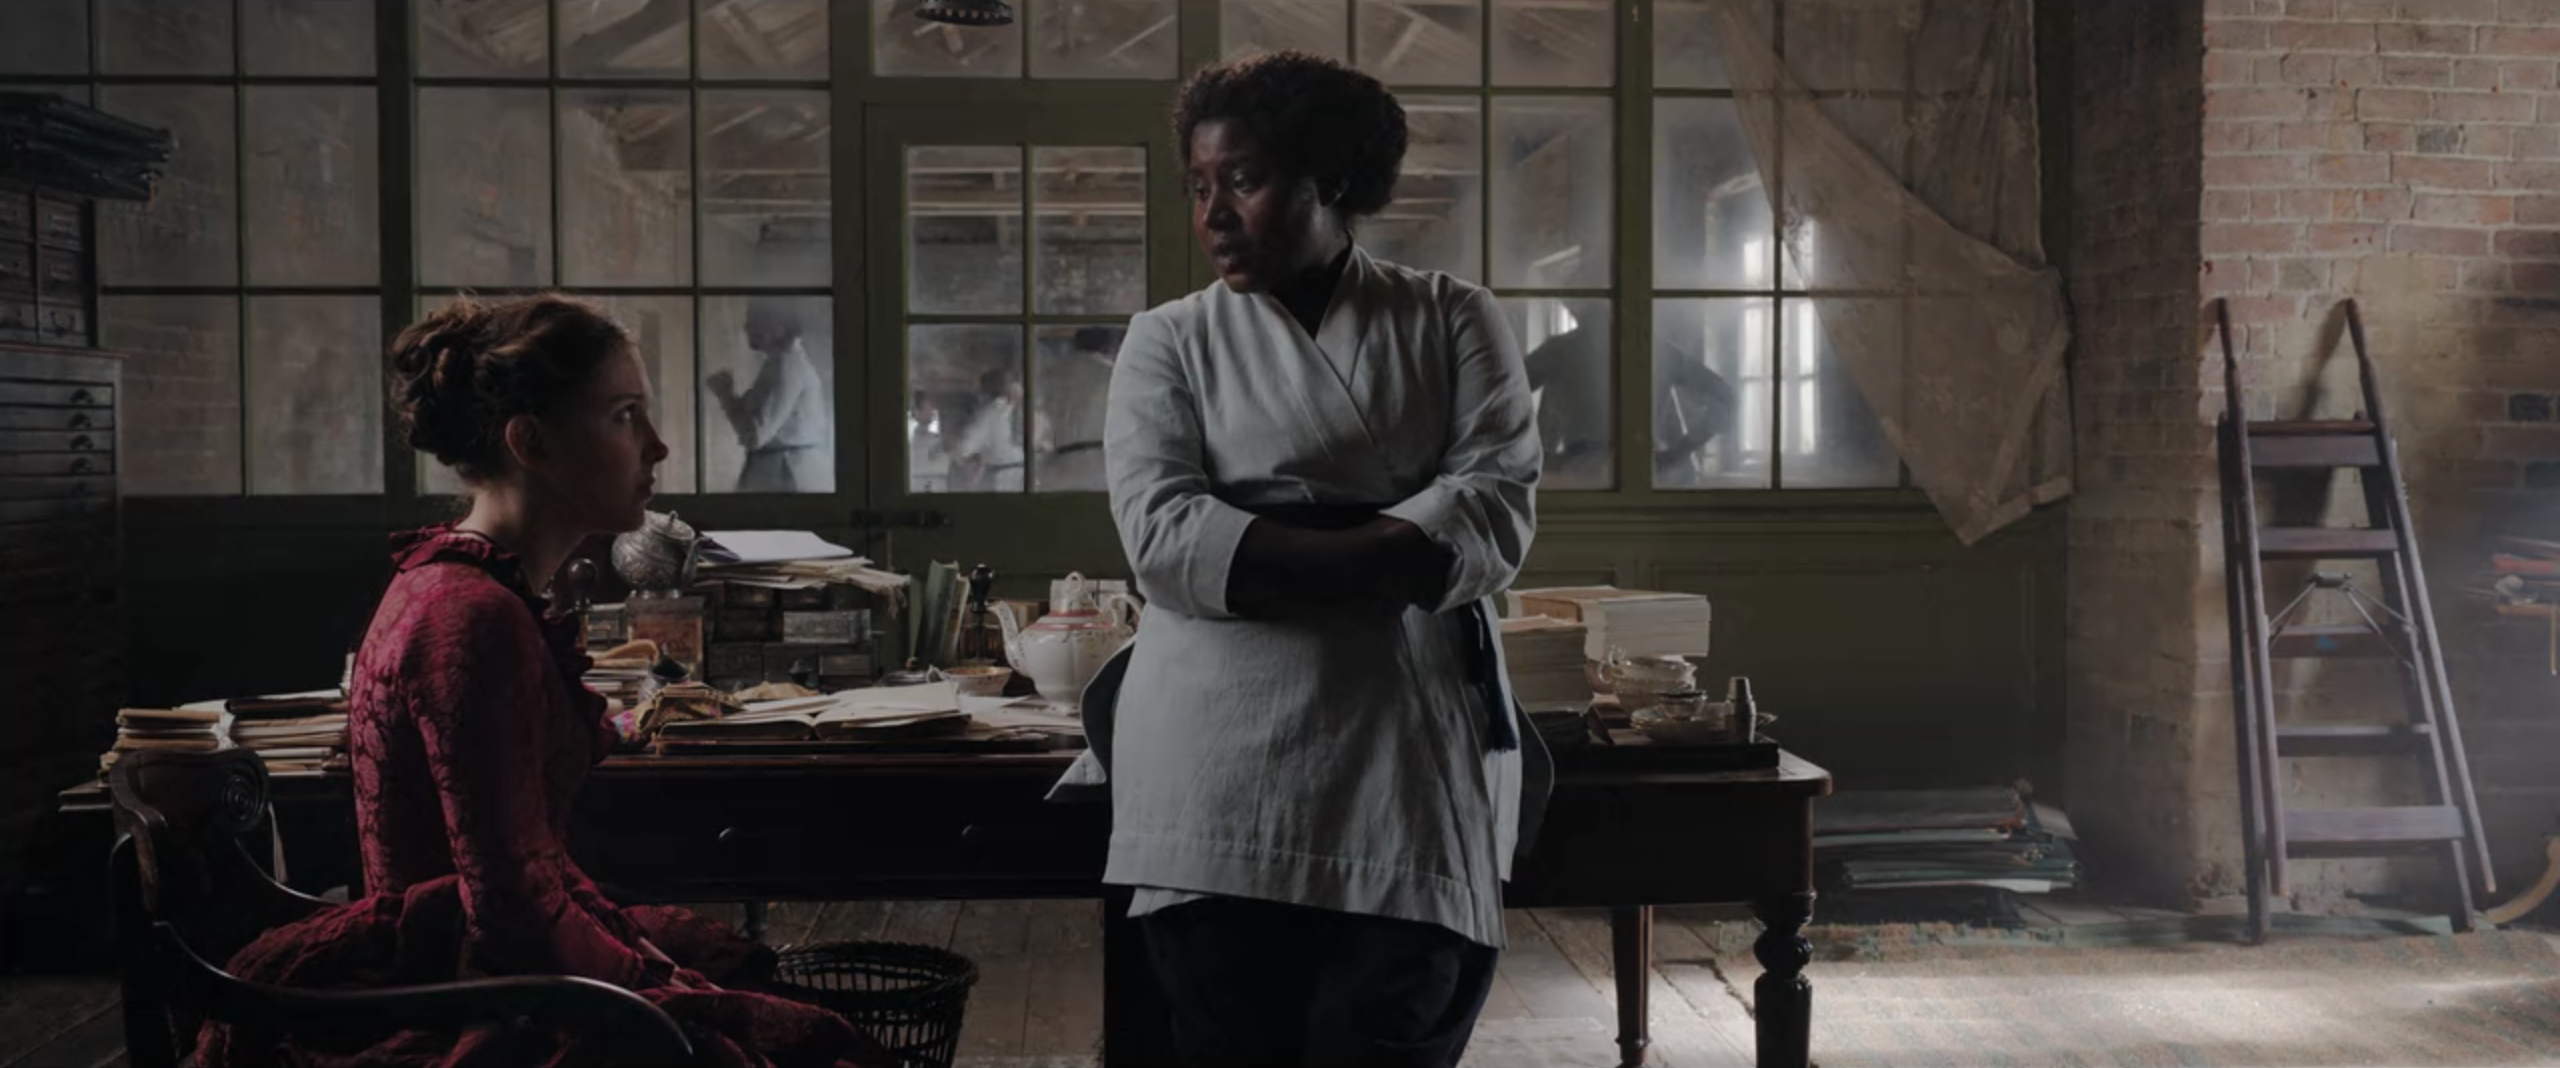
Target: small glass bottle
x,y
1746,719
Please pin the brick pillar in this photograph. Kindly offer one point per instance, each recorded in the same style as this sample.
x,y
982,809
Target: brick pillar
x,y
2144,461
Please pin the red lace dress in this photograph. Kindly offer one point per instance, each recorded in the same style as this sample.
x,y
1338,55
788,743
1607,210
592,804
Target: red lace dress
x,y
470,735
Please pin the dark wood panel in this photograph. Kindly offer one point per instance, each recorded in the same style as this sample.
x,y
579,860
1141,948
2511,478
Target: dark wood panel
x,y
1892,674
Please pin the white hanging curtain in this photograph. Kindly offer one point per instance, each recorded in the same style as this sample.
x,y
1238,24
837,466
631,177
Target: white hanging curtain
x,y
1955,329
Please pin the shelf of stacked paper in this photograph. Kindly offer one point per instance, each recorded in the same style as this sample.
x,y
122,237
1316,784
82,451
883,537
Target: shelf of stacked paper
x,y
186,730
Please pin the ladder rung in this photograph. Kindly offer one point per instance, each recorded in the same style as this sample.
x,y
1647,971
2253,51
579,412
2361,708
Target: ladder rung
x,y
2278,428
2330,640
2314,450
2361,739
2325,543
2356,832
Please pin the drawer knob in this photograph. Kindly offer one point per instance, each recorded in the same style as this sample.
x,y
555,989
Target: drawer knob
x,y
80,396
731,836
80,421
80,443
80,465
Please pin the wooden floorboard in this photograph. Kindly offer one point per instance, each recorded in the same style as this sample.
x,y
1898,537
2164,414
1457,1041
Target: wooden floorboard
x,y
93,1041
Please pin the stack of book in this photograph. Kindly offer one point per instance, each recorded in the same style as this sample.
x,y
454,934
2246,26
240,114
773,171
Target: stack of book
x,y
1544,657
1994,837
189,730
290,732
1634,622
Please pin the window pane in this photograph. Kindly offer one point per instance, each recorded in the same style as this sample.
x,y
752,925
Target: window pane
x,y
965,390
44,36
1850,44
1711,402
626,156
624,38
1711,223
307,37
906,46
164,36
765,202
757,39
964,225
1560,42
1568,343
484,187
1437,220
1686,50
1551,191
484,38
1319,27
769,387
1832,437
1103,38
189,232
662,327
1092,206
312,187
1070,381
181,411
315,395
1416,42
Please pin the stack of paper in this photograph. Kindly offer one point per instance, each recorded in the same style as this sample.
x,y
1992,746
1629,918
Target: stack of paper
x,y
1635,622
1545,657
290,732
1991,837
168,729
792,560
878,711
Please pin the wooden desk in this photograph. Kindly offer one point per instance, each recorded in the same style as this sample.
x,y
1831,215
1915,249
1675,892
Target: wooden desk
x,y
836,828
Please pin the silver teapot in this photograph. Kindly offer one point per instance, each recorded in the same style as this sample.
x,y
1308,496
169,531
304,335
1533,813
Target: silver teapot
x,y
660,556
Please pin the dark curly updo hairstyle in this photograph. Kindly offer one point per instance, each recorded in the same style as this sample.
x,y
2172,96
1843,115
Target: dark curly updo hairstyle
x,y
1315,117
459,374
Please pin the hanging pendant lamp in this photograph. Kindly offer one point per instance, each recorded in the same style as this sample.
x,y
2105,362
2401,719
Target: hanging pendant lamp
x,y
966,12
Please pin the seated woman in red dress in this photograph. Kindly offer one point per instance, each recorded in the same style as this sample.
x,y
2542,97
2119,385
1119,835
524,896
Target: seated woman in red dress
x,y
470,730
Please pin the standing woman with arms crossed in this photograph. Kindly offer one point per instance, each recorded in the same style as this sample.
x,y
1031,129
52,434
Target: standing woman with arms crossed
x,y
1322,467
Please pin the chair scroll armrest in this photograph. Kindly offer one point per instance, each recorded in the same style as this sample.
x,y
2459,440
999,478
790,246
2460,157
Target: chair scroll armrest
x,y
614,1025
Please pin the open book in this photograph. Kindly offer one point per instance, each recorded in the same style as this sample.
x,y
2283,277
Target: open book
x,y
927,711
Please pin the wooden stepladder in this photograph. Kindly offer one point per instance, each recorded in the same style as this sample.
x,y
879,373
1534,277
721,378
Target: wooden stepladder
x,y
2397,625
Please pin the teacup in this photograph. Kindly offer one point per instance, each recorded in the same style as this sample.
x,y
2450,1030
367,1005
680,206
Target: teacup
x,y
979,680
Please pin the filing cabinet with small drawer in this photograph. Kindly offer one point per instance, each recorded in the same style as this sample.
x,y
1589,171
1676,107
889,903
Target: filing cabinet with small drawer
x,y
61,556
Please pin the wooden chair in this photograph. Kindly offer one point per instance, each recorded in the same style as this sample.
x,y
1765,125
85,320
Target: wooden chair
x,y
187,891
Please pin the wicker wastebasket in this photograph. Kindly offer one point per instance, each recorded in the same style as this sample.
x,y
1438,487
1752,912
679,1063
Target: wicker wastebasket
x,y
909,997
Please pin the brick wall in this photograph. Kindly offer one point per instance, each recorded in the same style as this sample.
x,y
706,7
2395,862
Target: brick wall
x,y
2402,152
2137,110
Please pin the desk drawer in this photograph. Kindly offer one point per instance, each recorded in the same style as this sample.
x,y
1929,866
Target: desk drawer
x,y
18,417
794,836
12,441
22,393
56,464
17,269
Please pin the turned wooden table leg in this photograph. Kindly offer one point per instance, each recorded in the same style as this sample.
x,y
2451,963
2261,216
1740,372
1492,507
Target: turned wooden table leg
x,y
1782,1000
1631,955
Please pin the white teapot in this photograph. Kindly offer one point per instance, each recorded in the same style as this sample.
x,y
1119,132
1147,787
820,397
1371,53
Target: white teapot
x,y
1062,651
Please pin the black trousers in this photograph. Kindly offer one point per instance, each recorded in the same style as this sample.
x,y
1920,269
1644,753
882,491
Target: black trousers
x,y
1258,984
